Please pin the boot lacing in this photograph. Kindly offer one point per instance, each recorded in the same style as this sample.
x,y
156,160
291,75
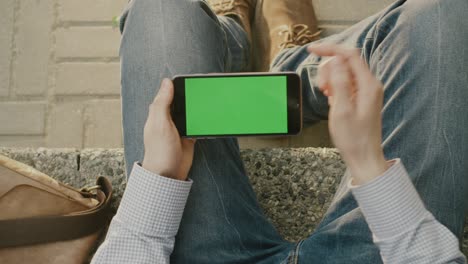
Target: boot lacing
x,y
228,7
297,35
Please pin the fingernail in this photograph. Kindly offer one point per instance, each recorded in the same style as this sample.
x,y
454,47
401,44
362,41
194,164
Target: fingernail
x,y
166,82
165,85
340,59
338,62
320,82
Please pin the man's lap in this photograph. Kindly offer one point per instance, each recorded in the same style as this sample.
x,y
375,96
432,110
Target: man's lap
x,y
222,220
423,117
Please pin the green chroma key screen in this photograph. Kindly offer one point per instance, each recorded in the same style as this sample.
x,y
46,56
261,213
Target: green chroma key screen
x,y
236,105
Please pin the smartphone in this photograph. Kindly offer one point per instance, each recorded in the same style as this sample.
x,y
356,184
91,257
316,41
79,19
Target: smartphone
x,y
235,105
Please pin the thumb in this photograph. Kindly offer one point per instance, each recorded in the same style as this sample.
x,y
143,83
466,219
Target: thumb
x,y
164,97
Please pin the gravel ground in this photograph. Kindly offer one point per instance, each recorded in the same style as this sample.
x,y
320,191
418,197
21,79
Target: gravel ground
x,y
294,186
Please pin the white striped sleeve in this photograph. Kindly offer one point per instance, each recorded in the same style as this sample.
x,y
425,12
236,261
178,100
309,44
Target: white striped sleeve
x,y
144,228
403,229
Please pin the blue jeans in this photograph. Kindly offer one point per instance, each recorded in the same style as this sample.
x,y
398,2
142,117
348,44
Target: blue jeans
x,y
417,48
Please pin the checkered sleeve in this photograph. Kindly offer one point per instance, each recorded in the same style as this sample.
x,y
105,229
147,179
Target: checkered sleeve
x,y
148,218
403,229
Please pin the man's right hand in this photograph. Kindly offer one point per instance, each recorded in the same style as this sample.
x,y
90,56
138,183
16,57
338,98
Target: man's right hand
x,y
355,98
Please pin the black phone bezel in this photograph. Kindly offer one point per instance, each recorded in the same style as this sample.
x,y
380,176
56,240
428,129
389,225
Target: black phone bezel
x,y
294,97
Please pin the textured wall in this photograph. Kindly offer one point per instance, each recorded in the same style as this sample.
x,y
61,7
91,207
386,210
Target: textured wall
x,y
59,71
293,186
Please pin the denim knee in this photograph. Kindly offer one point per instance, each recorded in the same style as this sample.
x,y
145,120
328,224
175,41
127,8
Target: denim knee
x,y
426,15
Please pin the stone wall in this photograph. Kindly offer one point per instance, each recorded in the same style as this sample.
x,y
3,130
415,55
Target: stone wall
x,y
59,71
293,186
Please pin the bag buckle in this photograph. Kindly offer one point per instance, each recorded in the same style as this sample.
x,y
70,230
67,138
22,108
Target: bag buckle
x,y
90,188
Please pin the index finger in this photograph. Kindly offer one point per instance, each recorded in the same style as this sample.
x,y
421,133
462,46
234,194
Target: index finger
x,y
359,69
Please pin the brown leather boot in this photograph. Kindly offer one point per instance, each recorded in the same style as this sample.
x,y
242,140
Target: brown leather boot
x,y
281,24
241,10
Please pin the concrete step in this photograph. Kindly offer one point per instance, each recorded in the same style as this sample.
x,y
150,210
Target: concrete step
x,y
293,185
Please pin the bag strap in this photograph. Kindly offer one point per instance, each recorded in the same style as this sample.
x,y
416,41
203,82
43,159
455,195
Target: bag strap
x,y
47,229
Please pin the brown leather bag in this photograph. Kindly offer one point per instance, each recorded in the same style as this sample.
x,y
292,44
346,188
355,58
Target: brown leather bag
x,y
45,221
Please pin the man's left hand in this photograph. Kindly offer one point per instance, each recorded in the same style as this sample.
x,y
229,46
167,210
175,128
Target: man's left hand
x,y
166,153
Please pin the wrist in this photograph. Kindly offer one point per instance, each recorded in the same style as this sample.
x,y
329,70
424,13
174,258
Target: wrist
x,y
156,168
149,166
365,170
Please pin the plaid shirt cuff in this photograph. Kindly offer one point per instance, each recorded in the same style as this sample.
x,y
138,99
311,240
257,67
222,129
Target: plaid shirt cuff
x,y
153,204
390,203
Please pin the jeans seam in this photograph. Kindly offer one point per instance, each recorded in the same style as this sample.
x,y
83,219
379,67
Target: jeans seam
x,y
294,257
210,173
